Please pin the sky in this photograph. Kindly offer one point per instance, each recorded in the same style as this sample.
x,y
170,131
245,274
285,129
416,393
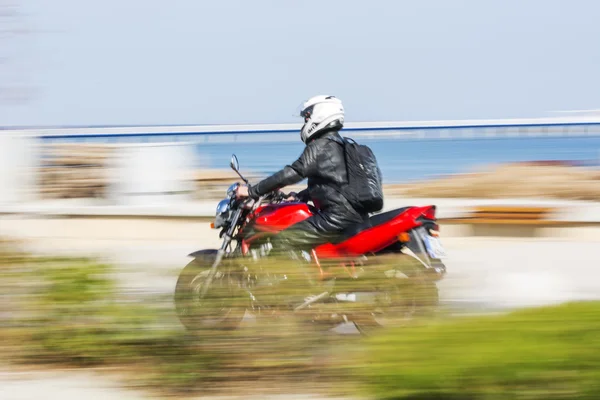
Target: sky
x,y
127,62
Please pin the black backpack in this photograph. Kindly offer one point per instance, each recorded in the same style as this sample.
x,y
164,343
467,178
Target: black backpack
x,y
364,190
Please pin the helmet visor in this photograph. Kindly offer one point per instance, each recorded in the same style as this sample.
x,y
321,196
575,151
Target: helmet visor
x,y
299,110
303,112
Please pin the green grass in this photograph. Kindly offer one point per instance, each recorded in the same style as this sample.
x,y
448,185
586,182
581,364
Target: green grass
x,y
67,312
544,353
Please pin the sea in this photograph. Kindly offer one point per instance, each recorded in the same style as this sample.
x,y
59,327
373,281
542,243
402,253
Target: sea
x,y
403,160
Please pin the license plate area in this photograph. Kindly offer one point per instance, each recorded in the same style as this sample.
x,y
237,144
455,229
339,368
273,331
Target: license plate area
x,y
434,247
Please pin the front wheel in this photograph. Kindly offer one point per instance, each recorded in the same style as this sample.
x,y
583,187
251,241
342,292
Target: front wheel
x,y
223,306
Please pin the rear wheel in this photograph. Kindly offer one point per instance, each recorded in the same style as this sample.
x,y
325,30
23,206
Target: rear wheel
x,y
397,301
223,306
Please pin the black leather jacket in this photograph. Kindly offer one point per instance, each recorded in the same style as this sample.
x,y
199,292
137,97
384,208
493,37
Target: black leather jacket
x,y
323,163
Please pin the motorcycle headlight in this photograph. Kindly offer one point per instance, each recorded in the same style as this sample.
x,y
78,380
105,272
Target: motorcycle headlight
x,y
222,213
223,206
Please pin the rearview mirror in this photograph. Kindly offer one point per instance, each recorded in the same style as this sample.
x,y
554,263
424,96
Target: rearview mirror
x,y
235,164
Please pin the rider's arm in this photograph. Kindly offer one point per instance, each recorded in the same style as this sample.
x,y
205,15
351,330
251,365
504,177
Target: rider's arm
x,y
302,168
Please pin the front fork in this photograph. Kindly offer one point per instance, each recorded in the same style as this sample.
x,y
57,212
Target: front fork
x,y
227,237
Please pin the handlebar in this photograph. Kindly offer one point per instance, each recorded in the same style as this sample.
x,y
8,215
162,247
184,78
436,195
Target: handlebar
x,y
276,196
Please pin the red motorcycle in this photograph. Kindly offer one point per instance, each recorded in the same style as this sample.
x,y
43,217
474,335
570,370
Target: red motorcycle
x,y
375,270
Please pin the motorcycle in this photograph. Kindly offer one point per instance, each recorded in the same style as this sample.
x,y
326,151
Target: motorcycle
x,y
374,270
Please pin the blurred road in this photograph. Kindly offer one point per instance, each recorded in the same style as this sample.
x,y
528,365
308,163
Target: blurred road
x,y
483,272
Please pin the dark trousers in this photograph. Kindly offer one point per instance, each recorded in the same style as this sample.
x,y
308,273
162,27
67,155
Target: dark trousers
x,y
305,235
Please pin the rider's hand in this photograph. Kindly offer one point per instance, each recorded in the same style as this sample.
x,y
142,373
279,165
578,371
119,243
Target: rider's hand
x,y
241,192
292,197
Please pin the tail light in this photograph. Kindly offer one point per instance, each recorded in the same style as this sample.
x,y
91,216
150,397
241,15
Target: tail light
x,y
427,220
429,213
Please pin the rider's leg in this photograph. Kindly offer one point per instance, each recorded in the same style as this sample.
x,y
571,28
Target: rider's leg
x,y
304,235
287,251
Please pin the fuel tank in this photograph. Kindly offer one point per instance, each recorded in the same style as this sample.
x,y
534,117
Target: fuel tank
x,y
277,217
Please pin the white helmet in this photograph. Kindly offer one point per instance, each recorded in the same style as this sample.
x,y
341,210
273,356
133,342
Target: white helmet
x,y
321,113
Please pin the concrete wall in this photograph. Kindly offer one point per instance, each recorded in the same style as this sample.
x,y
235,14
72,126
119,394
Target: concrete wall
x,y
18,162
151,174
172,229
141,175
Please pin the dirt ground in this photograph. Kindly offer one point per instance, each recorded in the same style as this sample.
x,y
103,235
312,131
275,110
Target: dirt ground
x,y
522,180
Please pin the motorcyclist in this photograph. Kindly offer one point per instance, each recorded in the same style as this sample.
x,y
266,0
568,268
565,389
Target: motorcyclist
x,y
323,163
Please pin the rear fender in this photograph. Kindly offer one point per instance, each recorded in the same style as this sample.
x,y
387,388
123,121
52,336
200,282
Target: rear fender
x,y
415,248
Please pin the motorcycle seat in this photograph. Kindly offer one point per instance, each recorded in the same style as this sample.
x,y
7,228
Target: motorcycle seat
x,y
373,221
